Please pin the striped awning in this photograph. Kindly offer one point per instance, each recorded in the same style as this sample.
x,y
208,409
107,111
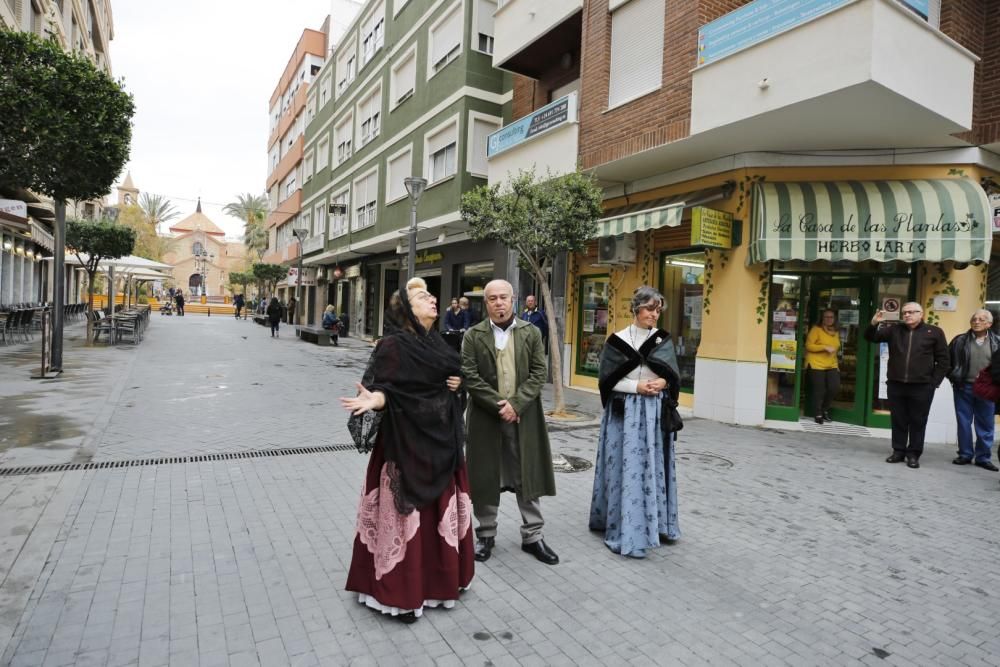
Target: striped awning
x,y
883,221
665,212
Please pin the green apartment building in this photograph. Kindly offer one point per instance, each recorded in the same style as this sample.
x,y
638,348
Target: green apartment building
x,y
409,90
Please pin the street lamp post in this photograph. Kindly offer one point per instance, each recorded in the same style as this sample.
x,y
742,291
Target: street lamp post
x,y
300,234
415,188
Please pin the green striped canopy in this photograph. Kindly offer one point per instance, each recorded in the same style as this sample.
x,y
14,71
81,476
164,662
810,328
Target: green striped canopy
x,y
884,221
640,217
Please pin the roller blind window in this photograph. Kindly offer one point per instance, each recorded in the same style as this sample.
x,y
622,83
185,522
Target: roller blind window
x,y
404,78
446,39
636,50
399,168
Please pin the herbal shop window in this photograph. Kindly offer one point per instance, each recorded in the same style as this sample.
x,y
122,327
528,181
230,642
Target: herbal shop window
x,y
682,278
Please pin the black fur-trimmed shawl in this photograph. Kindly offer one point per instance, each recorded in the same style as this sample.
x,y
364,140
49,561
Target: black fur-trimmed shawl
x,y
618,359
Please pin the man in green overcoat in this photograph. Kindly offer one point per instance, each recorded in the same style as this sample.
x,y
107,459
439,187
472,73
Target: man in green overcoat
x,y
507,446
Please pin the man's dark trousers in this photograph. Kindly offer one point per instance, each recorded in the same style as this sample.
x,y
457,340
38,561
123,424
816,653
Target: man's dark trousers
x,y
909,405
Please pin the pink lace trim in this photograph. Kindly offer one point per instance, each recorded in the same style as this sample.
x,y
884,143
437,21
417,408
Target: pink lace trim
x,y
457,519
381,528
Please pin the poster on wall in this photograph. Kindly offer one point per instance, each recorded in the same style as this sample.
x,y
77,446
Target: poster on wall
x,y
588,321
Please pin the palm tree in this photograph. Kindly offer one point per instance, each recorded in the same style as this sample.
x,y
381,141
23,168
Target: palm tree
x,y
156,209
252,210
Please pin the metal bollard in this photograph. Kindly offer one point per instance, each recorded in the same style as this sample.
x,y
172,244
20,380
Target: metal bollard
x,y
210,311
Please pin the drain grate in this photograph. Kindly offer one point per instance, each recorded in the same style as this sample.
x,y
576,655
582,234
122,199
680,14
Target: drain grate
x,y
169,460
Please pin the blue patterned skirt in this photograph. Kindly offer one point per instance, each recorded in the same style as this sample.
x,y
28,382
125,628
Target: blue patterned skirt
x,y
635,489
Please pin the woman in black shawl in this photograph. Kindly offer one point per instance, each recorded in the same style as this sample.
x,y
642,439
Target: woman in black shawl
x,y
413,547
635,485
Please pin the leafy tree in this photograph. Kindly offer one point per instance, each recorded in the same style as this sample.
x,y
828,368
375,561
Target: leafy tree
x,y
65,132
99,240
539,219
148,243
240,279
252,210
156,209
269,275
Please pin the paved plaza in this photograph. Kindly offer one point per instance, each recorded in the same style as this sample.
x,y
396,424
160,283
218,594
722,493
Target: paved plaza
x,y
797,549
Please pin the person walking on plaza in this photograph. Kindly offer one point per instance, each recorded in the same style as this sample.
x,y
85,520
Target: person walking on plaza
x,y
179,300
470,316
534,315
274,316
918,362
332,324
238,303
413,547
970,353
290,310
507,445
822,344
634,500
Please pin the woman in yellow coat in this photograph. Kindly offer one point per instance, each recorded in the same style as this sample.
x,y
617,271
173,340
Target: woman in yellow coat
x,y
822,345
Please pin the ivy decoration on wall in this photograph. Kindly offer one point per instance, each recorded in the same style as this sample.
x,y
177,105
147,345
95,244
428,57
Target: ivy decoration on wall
x,y
647,256
745,188
709,282
984,273
765,280
943,284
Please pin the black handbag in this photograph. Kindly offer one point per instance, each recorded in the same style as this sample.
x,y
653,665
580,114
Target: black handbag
x,y
670,418
364,429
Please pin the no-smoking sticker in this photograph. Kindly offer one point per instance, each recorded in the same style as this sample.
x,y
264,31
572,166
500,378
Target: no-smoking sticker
x,y
890,308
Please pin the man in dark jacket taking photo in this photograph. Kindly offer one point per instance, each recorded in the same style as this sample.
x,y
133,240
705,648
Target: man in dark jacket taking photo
x,y
918,362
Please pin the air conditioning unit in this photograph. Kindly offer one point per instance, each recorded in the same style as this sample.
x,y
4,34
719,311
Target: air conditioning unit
x,y
616,249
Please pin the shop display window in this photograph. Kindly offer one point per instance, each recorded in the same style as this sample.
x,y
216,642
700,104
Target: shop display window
x,y
682,282
472,280
783,351
594,298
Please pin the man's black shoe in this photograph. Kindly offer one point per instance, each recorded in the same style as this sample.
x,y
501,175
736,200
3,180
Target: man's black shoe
x,y
541,552
484,549
911,461
961,461
987,465
895,457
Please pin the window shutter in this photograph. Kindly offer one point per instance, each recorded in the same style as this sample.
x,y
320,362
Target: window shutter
x,y
481,129
398,170
484,18
441,139
447,35
406,76
636,50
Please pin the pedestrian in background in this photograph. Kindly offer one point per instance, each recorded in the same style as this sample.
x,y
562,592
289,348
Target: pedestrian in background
x,y
413,545
918,362
470,316
274,315
535,315
822,343
507,445
238,303
179,300
970,353
291,310
634,500
331,323
455,318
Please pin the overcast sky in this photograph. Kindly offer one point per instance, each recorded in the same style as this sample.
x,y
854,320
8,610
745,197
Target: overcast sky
x,y
202,73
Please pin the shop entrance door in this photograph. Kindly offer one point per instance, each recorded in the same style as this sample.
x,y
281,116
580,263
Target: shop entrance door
x,y
850,297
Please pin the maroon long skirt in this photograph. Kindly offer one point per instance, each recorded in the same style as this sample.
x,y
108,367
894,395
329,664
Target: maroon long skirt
x,y
404,563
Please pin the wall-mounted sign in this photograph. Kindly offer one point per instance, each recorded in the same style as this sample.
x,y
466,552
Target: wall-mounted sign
x,y
428,257
890,309
549,117
711,228
308,277
14,207
353,271
946,303
756,22
922,7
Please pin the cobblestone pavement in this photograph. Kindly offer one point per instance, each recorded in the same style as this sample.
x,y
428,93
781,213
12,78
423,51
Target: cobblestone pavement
x,y
798,550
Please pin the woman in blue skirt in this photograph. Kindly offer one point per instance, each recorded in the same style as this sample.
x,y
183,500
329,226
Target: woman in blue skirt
x,y
635,483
